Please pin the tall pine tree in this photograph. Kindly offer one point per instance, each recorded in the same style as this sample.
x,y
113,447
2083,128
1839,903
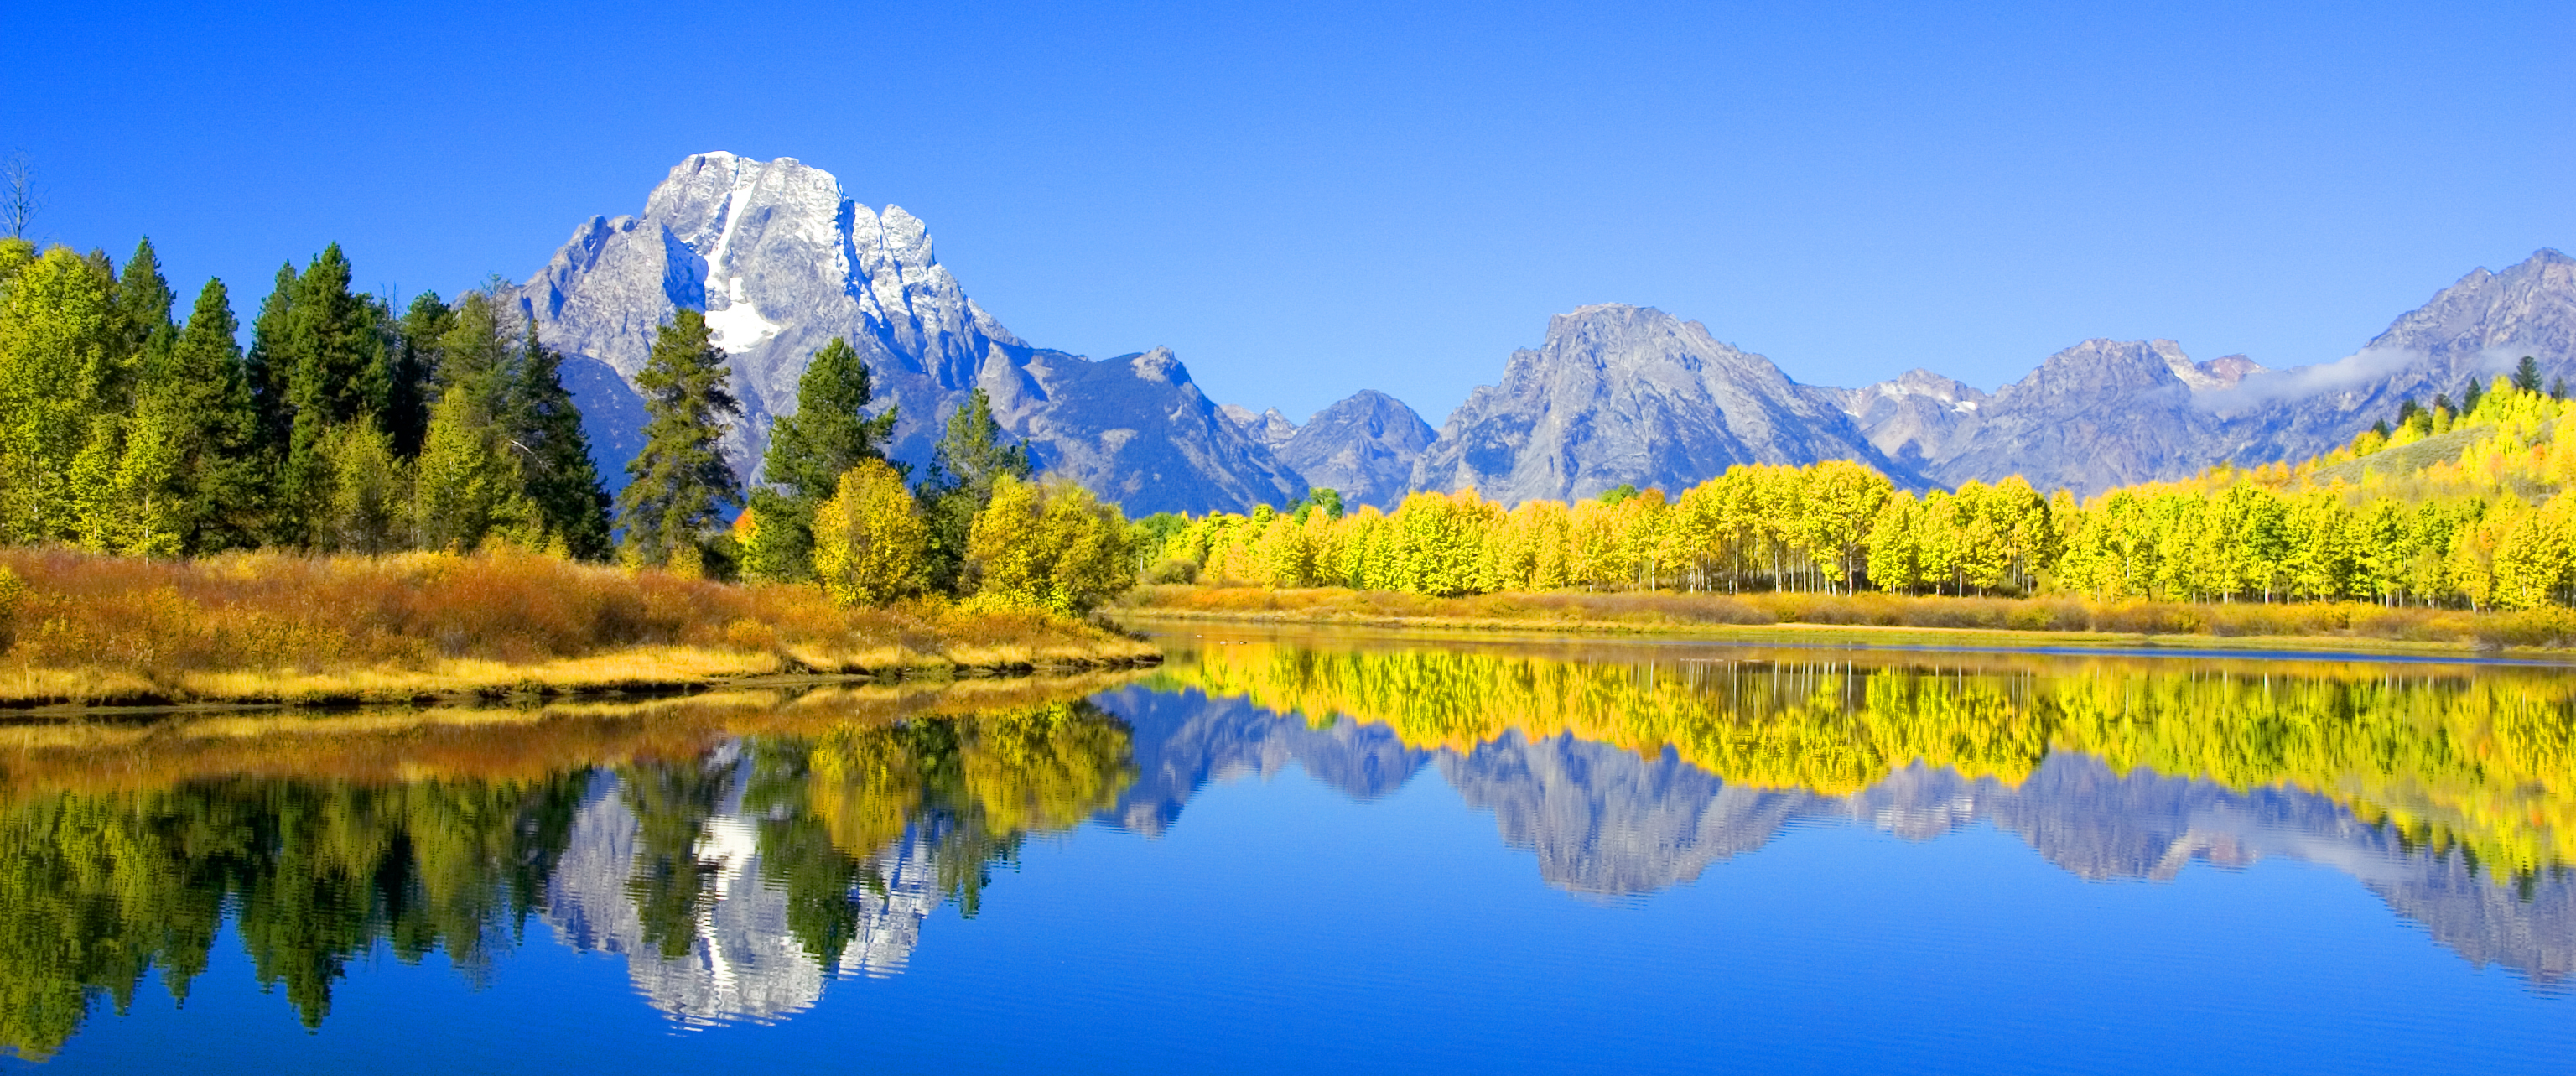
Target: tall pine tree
x,y
201,394
681,484
970,457
105,493
464,483
809,451
556,474
336,375
415,371
271,358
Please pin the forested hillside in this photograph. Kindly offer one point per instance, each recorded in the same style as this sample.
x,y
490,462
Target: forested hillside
x,y
345,427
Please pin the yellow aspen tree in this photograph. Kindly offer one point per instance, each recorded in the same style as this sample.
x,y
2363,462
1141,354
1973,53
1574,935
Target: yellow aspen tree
x,y
871,545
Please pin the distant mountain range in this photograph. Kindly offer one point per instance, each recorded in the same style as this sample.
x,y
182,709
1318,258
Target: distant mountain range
x,y
782,261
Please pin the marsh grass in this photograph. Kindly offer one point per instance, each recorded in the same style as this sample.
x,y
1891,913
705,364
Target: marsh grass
x,y
276,627
1682,612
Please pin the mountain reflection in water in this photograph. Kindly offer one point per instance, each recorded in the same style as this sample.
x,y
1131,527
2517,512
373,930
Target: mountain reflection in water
x,y
741,852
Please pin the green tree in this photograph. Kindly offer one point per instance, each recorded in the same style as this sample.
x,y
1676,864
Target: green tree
x,y
270,359
552,455
367,507
57,339
2526,374
336,375
187,476
466,484
413,386
143,302
971,456
809,453
681,484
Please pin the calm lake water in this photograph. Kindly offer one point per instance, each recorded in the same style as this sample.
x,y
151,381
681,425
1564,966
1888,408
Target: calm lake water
x,y
1330,853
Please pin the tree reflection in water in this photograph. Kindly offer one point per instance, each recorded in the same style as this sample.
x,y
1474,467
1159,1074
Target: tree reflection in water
x,y
736,874
741,854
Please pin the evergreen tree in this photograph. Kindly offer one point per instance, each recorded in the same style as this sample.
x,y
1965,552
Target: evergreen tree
x,y
809,451
557,476
968,460
2526,374
337,375
415,370
681,484
271,357
200,395
464,483
367,505
2470,396
143,299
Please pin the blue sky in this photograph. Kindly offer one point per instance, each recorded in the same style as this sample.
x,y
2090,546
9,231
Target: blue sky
x,y
1306,200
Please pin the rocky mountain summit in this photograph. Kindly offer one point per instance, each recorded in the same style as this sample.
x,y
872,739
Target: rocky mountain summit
x,y
782,261
1633,395
2106,413
2099,414
1363,447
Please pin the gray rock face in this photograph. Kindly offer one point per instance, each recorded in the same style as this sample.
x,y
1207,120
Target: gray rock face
x,y
782,262
1364,447
1181,742
1606,822
2099,414
743,961
2474,329
2105,413
1269,427
1915,418
1627,394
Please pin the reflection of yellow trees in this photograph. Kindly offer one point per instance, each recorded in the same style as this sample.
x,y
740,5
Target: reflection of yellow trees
x,y
2482,760
1004,774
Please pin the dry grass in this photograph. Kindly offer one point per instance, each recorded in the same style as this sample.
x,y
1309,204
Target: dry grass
x,y
1735,614
277,627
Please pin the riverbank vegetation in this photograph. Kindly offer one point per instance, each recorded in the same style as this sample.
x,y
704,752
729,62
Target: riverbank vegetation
x,y
273,626
369,504
1869,616
2453,508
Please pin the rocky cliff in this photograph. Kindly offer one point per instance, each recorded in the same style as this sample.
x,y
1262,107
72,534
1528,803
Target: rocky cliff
x,y
1364,447
2099,414
2105,413
1632,395
782,261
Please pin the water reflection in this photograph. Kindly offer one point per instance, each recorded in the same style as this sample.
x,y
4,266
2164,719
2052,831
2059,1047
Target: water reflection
x,y
740,853
2449,791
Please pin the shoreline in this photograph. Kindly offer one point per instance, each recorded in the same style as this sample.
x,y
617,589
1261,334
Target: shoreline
x,y
1333,609
28,692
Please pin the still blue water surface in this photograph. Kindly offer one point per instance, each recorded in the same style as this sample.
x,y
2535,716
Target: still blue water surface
x,y
1268,895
